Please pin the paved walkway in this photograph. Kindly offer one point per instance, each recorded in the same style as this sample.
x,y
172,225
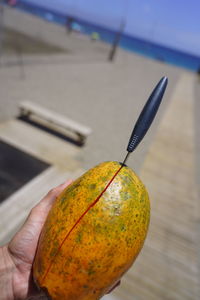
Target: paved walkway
x,y
169,265
59,154
105,96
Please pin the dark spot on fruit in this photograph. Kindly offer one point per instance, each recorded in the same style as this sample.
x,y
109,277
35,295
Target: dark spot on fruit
x,y
91,271
79,237
125,195
92,186
103,178
85,286
123,227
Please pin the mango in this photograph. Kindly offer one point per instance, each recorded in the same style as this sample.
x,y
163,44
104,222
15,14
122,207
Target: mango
x,y
93,233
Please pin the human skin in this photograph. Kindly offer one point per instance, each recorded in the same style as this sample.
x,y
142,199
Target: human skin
x,y
16,258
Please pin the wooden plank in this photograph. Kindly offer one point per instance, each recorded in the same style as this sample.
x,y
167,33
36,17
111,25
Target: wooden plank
x,y
168,266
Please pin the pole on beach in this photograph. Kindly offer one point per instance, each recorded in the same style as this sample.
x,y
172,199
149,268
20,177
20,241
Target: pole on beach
x,y
1,28
69,22
116,41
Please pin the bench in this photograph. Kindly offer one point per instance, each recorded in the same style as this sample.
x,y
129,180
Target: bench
x,y
29,109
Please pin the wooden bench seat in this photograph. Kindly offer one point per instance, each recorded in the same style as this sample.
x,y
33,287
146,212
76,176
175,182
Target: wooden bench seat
x,y
29,109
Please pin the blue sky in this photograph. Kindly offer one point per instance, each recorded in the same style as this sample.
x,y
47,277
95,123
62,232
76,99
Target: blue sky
x,y
174,23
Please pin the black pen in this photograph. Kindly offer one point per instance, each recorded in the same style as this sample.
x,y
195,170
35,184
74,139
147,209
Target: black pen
x,y
146,117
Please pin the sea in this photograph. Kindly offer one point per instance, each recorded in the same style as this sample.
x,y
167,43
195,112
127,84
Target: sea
x,y
127,42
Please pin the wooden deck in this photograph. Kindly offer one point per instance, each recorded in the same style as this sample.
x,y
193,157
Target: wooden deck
x,y
168,266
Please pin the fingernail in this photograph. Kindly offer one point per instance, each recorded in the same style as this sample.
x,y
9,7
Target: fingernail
x,y
67,182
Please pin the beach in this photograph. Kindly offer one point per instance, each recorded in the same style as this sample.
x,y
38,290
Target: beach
x,y
87,88
71,75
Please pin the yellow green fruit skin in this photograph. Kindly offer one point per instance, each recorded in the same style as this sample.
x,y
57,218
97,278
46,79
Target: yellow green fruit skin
x,y
104,243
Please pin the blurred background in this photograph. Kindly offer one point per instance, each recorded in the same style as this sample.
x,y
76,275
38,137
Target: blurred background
x,y
74,76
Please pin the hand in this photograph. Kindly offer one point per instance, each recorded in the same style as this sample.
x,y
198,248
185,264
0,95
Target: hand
x,y
16,258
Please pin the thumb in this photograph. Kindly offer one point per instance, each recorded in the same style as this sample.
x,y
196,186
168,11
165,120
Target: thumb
x,y
28,235
46,203
39,213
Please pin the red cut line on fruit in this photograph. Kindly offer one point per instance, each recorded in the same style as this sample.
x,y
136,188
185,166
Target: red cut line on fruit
x,y
78,221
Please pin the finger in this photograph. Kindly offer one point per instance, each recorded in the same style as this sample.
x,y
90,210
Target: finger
x,y
53,194
29,233
41,210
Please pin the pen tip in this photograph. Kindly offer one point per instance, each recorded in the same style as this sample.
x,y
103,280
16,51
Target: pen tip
x,y
164,80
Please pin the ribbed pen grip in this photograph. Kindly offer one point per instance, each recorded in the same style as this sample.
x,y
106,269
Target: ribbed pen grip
x,y
147,115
